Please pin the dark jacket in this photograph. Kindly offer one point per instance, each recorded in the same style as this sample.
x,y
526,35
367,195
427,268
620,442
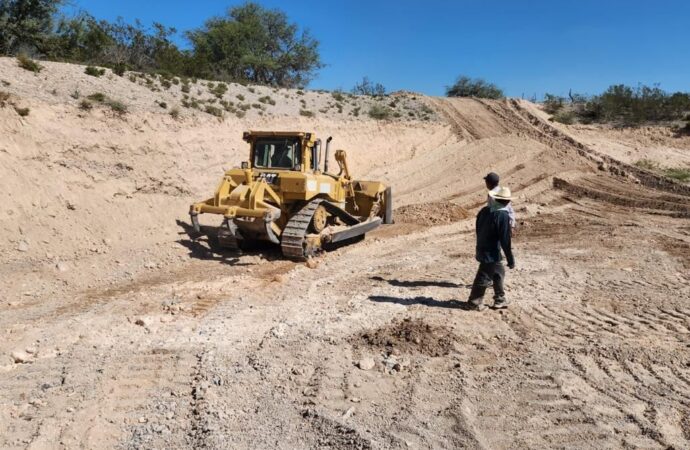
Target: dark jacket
x,y
493,233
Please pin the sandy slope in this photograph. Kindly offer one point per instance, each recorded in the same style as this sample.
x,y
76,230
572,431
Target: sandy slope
x,y
138,337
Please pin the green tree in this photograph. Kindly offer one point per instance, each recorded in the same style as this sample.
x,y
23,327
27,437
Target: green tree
x,y
118,44
473,87
255,44
26,25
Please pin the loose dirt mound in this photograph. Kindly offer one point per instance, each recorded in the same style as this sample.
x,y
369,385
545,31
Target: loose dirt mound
x,y
437,213
411,336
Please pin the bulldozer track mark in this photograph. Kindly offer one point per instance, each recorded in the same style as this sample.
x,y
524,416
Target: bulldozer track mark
x,y
591,383
537,414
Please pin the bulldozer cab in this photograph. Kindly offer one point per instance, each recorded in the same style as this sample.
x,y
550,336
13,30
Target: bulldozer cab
x,y
277,153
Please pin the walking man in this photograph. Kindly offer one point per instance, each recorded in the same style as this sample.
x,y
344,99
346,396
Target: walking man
x,y
492,185
493,234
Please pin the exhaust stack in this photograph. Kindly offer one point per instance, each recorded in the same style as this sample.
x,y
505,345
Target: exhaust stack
x,y
325,160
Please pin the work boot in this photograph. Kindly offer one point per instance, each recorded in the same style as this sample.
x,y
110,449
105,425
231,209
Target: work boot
x,y
500,304
472,306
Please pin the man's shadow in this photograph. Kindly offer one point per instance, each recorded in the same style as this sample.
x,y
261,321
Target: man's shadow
x,y
425,301
421,283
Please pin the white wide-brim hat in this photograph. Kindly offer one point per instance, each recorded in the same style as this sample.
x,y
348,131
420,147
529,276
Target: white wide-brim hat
x,y
502,194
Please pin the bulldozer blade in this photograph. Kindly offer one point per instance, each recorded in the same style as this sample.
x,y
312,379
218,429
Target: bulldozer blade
x,y
354,231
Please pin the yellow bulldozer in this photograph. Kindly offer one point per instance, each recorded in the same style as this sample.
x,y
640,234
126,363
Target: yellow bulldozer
x,y
283,195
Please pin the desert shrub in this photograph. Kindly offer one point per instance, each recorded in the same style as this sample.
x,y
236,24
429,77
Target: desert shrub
x,y
355,112
367,87
22,111
553,103
116,106
133,78
5,82
244,106
185,88
175,113
647,164
97,97
94,71
257,106
379,112
300,92
214,111
564,117
473,87
85,105
240,97
29,64
76,94
338,96
162,104
267,99
119,69
219,90
306,113
251,89
166,84
240,114
681,174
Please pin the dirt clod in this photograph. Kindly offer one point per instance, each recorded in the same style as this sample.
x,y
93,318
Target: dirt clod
x,y
411,336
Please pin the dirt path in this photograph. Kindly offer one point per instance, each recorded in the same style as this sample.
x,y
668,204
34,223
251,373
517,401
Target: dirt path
x,y
217,351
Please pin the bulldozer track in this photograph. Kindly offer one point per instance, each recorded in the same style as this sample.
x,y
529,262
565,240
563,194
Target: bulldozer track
x,y
293,238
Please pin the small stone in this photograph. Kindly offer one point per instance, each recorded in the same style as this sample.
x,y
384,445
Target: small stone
x,y
23,246
366,363
20,357
349,412
312,264
61,266
355,400
142,419
143,322
279,330
603,166
278,278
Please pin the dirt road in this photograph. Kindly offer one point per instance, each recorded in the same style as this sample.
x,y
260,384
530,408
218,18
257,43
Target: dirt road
x,y
160,341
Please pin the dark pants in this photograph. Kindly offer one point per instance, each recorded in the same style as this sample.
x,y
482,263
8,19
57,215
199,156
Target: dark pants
x,y
488,273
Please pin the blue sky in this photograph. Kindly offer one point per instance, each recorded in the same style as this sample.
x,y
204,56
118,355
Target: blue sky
x,y
526,47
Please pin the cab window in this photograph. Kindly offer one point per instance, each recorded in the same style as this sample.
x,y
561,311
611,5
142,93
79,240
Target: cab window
x,y
277,153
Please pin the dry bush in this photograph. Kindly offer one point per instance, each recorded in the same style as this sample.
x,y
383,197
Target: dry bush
x,y
94,71
29,64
